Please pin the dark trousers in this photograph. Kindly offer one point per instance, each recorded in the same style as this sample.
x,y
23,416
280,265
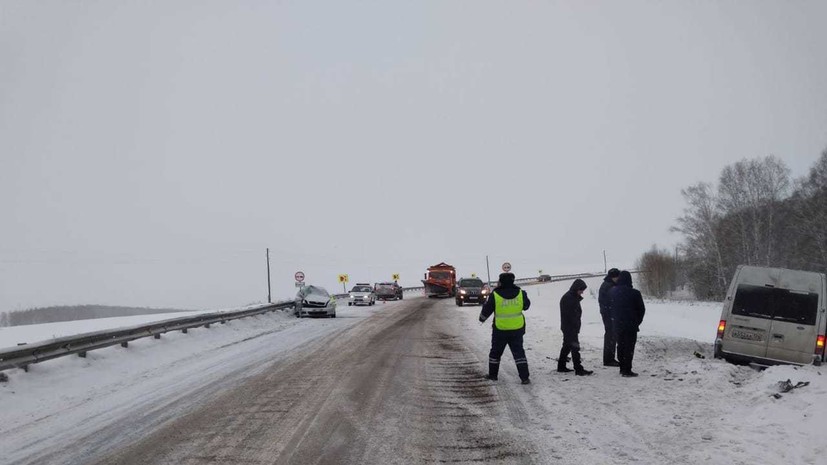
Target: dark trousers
x,y
514,340
626,340
571,345
609,339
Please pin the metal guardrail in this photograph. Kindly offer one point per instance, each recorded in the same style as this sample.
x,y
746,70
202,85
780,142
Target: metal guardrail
x,y
25,355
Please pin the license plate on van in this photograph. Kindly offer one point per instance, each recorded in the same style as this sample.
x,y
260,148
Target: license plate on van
x,y
755,336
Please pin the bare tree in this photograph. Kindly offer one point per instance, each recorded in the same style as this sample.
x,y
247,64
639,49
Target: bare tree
x,y
658,272
809,215
700,225
750,191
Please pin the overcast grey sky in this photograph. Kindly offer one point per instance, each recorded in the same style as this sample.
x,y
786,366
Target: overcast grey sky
x,y
150,151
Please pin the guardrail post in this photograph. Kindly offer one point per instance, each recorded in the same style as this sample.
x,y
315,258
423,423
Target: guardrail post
x,y
223,322
82,354
25,368
207,325
184,330
125,344
158,336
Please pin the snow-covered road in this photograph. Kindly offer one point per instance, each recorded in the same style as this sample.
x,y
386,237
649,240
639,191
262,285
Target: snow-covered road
x,y
401,383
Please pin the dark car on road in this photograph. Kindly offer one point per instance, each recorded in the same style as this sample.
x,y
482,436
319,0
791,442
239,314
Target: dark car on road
x,y
388,291
471,290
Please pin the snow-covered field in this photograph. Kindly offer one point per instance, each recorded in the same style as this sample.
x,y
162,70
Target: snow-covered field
x,y
12,336
682,409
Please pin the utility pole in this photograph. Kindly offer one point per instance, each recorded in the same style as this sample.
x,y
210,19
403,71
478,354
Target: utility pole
x,y
489,270
605,267
269,298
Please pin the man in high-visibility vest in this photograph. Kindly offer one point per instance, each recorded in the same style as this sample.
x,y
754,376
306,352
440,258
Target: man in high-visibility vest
x,y
507,303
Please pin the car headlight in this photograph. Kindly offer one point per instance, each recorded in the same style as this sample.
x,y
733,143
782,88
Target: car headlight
x,y
462,291
352,296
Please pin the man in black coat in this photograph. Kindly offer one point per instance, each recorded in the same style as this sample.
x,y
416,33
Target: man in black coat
x,y
570,315
507,302
627,314
609,336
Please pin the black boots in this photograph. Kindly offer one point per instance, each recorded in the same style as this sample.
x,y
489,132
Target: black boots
x,y
628,374
612,363
583,372
563,369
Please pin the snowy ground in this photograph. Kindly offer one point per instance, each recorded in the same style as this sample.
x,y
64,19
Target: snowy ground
x,y
64,401
682,409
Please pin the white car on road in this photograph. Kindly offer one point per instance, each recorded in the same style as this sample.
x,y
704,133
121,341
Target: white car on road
x,y
362,294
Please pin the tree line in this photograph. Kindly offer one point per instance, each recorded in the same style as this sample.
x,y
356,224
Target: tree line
x,y
755,214
74,312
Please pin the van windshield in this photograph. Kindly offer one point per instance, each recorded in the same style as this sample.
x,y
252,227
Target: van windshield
x,y
776,304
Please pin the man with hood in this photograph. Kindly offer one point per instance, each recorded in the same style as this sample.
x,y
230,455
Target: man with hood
x,y
627,315
609,336
507,303
570,315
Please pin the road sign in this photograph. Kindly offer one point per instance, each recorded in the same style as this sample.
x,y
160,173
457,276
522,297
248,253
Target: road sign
x,y
299,284
473,275
396,276
299,276
506,267
343,278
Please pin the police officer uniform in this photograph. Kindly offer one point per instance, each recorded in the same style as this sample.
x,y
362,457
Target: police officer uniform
x,y
507,303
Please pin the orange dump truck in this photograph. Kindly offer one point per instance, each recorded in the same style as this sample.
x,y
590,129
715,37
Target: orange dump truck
x,y
440,281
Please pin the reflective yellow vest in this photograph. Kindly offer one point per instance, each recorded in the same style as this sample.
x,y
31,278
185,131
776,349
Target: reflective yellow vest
x,y
508,313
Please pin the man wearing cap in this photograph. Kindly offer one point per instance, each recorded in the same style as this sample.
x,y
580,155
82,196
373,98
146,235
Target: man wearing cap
x,y
507,303
609,334
570,318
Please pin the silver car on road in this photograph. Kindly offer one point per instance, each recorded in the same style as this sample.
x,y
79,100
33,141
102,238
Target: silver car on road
x,y
315,301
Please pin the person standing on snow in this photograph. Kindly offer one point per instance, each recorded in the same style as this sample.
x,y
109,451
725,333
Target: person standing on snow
x,y
627,314
609,336
570,316
507,303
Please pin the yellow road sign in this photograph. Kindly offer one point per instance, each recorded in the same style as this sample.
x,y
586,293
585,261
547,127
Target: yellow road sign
x,y
396,277
473,275
343,278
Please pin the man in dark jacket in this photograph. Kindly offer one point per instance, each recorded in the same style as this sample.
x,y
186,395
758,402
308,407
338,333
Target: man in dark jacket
x,y
570,315
627,315
507,303
609,336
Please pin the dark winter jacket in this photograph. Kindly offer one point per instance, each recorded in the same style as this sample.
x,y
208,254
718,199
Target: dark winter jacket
x,y
603,298
627,304
570,310
506,291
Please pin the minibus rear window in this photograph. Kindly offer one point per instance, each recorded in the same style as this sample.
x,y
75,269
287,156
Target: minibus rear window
x,y
776,304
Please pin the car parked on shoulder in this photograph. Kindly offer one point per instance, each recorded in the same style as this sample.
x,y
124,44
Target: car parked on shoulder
x,y
471,290
773,316
362,294
315,301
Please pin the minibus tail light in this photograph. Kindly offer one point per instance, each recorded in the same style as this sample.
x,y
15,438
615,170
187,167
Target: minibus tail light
x,y
820,345
722,327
